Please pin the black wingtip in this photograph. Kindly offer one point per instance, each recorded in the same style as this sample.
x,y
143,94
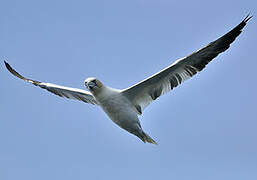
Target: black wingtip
x,y
11,70
8,66
15,73
247,18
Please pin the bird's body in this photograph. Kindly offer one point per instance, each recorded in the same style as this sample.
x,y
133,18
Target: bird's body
x,y
121,111
124,106
118,108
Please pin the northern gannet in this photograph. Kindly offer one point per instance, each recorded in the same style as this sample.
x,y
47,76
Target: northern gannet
x,y
124,106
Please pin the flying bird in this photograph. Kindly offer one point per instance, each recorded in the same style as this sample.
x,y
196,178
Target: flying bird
x,y
123,106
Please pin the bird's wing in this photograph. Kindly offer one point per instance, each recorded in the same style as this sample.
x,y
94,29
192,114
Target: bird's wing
x,y
144,92
61,91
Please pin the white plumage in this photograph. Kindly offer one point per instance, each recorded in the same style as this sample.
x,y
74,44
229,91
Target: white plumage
x,y
124,106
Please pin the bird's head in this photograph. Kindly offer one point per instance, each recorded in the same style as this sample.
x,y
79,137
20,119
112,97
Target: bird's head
x,y
93,84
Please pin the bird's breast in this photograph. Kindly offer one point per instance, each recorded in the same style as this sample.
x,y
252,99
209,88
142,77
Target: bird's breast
x,y
119,109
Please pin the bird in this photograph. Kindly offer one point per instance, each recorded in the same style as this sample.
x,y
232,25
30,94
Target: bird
x,y
124,106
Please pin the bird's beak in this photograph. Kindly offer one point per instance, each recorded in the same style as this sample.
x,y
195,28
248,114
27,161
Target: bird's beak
x,y
91,85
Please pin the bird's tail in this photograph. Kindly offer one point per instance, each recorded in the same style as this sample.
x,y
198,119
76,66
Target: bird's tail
x,y
147,138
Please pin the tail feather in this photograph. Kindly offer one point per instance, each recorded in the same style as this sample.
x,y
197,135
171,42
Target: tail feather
x,y
147,138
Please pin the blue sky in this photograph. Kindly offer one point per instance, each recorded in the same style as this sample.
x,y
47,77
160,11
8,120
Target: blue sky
x,y
205,128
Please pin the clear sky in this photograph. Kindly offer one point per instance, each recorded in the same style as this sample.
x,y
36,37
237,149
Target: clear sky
x,y
205,128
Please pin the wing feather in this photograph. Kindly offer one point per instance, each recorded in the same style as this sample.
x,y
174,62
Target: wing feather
x,y
146,91
66,92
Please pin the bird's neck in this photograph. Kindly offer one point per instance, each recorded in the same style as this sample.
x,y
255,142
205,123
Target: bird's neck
x,y
105,92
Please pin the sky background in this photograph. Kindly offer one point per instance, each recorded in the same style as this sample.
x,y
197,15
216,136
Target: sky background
x,y
205,128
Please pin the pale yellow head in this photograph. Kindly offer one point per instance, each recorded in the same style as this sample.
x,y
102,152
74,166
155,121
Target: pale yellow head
x,y
93,84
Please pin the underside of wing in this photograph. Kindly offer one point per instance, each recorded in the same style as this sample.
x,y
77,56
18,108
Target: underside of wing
x,y
71,93
146,91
